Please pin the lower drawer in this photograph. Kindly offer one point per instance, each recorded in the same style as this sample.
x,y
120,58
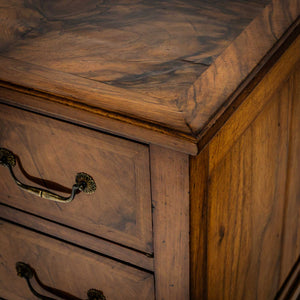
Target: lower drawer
x,y
65,268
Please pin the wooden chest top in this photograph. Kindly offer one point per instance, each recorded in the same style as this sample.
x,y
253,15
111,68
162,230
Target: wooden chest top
x,y
167,67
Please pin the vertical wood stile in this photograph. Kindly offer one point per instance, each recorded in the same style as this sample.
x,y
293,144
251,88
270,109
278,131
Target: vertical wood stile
x,y
170,197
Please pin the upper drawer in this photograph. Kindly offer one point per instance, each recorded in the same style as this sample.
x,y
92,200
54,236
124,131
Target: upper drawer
x,y
51,153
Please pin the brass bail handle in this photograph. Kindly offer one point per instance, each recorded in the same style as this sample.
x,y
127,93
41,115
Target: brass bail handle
x,y
25,271
83,182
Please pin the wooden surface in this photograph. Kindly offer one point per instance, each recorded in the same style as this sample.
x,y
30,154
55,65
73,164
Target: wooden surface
x,y
199,172
291,238
85,240
210,92
254,103
50,154
291,287
135,60
280,56
225,223
135,46
246,209
170,198
245,193
137,130
66,268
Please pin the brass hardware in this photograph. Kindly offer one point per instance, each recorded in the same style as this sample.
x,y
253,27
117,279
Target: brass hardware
x,y
84,182
95,295
89,186
25,271
7,157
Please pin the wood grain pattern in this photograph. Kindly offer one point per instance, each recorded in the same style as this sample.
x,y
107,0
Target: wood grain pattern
x,y
244,191
170,197
246,208
135,59
199,172
136,46
210,91
82,239
137,130
291,238
254,103
65,267
225,223
51,153
291,288
88,94
241,94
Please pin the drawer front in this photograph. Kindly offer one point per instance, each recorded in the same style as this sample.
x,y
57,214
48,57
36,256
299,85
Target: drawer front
x,y
64,267
51,153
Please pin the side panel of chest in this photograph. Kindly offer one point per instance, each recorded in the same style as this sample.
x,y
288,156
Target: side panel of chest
x,y
245,188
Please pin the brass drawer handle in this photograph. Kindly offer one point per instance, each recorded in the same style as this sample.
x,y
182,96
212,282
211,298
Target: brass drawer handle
x,y
84,182
25,271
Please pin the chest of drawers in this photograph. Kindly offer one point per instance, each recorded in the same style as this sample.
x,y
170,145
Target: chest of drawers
x,y
186,115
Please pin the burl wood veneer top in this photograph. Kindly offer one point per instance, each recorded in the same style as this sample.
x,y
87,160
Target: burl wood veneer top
x,y
171,64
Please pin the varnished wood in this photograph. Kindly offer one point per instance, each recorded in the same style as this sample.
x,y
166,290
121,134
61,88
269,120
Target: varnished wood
x,y
66,268
254,103
86,94
51,153
218,77
243,91
211,90
170,198
85,240
246,204
137,130
291,287
199,172
134,60
132,45
244,194
291,237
